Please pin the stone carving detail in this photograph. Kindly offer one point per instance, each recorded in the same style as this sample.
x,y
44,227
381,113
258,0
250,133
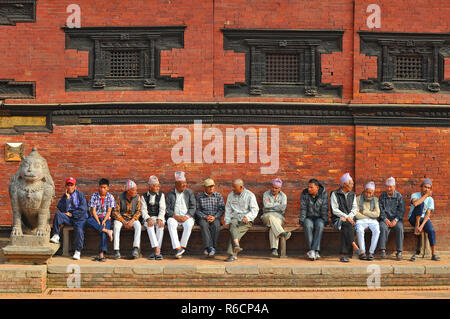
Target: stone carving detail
x,y
31,190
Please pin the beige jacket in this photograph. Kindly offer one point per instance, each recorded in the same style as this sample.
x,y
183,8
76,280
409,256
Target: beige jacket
x,y
367,213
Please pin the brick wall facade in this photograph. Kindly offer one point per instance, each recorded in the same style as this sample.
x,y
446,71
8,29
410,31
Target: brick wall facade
x,y
36,52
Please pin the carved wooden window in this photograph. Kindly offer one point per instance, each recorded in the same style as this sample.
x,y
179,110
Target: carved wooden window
x,y
124,58
14,11
407,61
282,62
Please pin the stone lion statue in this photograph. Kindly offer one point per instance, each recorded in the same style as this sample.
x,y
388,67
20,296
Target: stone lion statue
x,y
31,191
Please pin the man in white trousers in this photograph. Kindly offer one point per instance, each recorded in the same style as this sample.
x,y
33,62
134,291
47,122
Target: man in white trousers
x,y
126,214
153,210
180,209
367,217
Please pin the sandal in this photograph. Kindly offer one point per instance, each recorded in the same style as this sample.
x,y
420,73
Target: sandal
x,y
97,258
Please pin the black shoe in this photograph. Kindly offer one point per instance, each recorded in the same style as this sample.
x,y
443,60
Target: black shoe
x,y
370,257
116,254
399,255
275,252
344,259
135,253
152,256
435,257
363,257
413,258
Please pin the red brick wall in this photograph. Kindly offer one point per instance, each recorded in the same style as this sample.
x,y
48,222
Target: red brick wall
x,y
425,16
325,152
410,155
36,51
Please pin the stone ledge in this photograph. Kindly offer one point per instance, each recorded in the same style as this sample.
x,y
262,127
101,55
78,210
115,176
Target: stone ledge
x,y
216,270
179,269
242,270
409,270
148,270
437,269
275,270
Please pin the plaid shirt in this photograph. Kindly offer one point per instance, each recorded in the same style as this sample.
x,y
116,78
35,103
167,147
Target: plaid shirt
x,y
213,205
96,201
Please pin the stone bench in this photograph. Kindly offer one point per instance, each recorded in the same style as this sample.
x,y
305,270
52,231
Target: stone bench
x,y
255,229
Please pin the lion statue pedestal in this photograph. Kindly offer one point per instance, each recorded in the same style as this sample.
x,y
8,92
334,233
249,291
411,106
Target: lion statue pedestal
x,y
31,191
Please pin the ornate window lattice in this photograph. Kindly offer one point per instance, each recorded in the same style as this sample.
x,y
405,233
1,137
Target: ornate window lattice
x,y
123,64
282,68
124,58
282,62
408,67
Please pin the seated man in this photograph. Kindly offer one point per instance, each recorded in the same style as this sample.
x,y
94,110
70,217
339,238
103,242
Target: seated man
x,y
101,205
367,217
126,214
180,208
210,208
153,208
392,209
72,211
343,210
241,210
422,204
274,205
313,215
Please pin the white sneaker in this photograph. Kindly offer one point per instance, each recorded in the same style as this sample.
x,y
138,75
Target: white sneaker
x,y
311,254
55,239
317,255
77,254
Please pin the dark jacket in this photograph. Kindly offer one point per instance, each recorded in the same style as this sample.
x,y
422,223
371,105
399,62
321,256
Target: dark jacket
x,y
314,207
189,199
345,205
80,211
391,207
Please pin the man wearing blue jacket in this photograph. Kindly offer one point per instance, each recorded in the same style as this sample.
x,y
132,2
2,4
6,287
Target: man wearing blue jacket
x,y
72,211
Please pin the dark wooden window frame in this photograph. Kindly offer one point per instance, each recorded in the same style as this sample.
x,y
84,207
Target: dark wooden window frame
x,y
387,46
307,44
147,41
15,11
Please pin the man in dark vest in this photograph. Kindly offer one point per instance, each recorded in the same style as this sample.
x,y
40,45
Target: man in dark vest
x,y
343,210
126,214
153,209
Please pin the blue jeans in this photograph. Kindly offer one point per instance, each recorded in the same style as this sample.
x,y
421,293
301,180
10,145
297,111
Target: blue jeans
x,y
78,227
427,228
99,228
313,232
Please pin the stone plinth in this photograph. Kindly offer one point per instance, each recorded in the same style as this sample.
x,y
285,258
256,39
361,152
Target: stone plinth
x,y
30,249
